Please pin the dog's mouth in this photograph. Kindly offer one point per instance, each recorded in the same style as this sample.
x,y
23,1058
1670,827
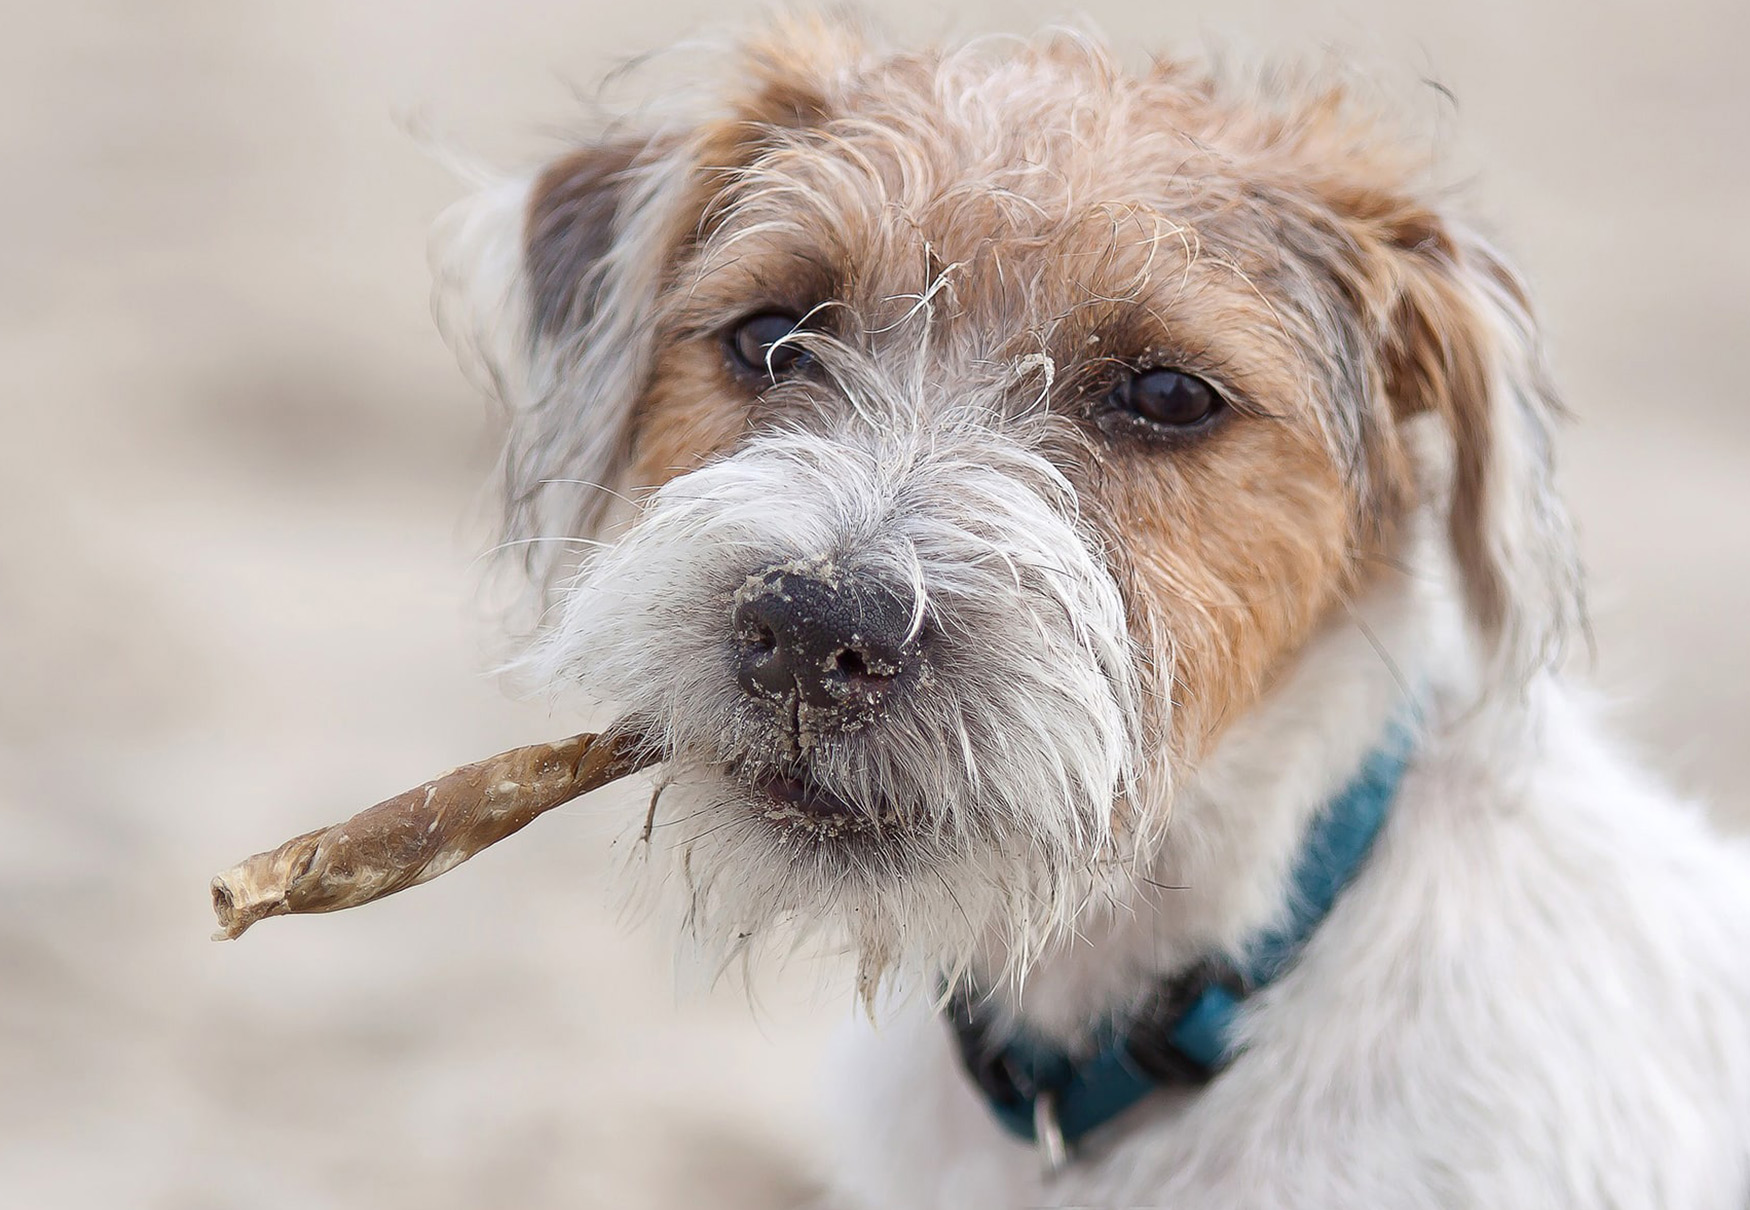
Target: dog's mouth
x,y
799,790
791,797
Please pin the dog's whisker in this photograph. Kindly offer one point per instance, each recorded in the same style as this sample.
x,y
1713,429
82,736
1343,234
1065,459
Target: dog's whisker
x,y
1373,641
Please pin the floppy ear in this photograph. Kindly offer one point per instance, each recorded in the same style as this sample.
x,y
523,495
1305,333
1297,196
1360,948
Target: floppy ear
x,y
1461,343
569,226
548,285
1455,339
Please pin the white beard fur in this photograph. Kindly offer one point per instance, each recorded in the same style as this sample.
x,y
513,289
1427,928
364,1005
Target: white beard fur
x,y
1536,993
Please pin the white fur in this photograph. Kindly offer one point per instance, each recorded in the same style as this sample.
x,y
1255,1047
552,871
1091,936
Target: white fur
x,y
1001,776
1537,993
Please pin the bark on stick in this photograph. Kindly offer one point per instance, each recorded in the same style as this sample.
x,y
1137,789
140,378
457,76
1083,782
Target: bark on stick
x,y
414,837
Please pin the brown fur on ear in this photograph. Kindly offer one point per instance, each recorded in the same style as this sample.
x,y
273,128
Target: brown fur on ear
x,y
1460,342
574,205
573,210
1435,359
1456,338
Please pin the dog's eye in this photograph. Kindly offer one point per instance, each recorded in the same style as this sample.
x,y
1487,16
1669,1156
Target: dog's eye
x,y
1170,398
751,341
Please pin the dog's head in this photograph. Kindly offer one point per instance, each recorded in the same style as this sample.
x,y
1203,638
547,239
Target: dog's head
x,y
962,439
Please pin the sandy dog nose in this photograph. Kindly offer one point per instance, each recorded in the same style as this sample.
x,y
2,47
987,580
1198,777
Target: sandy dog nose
x,y
830,639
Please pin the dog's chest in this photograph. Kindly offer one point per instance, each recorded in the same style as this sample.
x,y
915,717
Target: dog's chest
x,y
1487,1020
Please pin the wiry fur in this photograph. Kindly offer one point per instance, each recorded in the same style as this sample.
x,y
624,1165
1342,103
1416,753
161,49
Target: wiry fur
x,y
1146,661
999,780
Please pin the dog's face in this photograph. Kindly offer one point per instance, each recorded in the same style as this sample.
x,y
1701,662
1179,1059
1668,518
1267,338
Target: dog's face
x,y
977,434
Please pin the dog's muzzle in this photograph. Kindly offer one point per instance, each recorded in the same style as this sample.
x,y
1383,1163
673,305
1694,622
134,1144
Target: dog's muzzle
x,y
897,641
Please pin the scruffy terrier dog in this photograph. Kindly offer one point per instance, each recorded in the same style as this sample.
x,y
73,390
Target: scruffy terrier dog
x,y
1087,538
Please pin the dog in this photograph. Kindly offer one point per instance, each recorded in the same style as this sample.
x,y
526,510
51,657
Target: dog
x,y
1086,538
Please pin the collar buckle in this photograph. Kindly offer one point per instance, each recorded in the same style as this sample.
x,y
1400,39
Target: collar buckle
x,y
1048,1133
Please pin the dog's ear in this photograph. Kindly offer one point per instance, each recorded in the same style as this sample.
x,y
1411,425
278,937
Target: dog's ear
x,y
1455,339
549,286
1458,340
601,228
573,214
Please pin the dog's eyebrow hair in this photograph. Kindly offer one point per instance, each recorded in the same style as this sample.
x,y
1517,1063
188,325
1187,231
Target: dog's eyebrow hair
x,y
765,269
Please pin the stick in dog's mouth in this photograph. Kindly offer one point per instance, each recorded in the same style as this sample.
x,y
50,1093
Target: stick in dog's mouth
x,y
418,835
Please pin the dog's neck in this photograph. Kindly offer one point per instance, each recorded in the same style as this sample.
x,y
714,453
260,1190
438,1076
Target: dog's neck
x,y
1239,825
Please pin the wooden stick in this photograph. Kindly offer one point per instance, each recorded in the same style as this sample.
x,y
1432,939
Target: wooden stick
x,y
414,837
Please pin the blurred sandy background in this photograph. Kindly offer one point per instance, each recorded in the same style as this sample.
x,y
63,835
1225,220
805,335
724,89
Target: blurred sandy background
x,y
237,477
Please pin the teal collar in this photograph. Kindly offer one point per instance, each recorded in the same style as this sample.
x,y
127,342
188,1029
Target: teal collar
x,y
1185,1035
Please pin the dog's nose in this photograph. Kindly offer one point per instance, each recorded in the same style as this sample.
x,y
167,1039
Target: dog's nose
x,y
830,638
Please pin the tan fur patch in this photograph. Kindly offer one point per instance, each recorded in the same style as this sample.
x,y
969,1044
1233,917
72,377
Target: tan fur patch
x,y
962,216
